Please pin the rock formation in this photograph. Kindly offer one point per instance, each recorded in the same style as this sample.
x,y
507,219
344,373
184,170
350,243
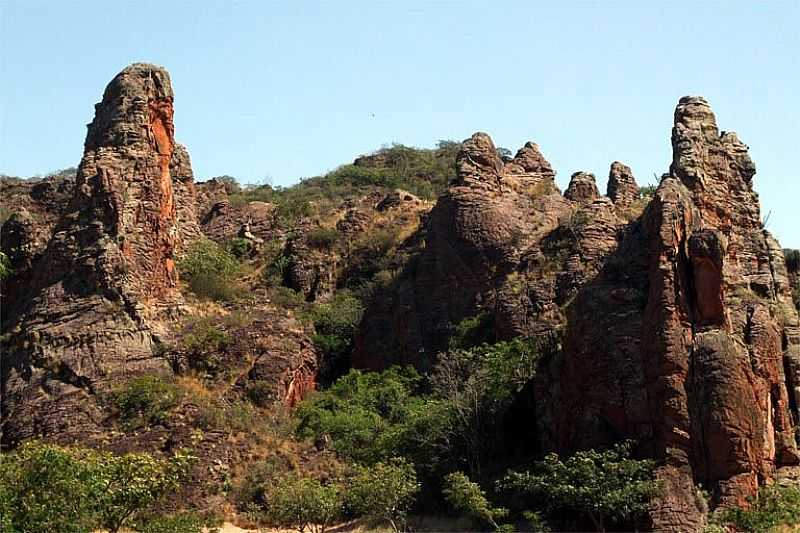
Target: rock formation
x,y
85,322
622,188
678,327
582,188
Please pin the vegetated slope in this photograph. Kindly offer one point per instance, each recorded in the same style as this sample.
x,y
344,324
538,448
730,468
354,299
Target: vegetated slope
x,y
147,312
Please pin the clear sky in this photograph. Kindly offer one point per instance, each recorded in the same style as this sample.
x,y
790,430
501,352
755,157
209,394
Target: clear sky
x,y
294,89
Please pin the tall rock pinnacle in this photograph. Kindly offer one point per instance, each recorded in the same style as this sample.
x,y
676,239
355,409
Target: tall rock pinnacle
x,y
89,319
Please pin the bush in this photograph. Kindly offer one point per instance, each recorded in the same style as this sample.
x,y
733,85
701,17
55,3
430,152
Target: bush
x,y
364,413
301,502
210,271
5,266
44,487
774,506
178,523
145,400
605,486
467,497
476,387
385,491
336,323
322,237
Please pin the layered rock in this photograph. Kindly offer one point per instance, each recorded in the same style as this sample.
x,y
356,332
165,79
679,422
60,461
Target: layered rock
x,y
582,188
621,187
86,321
679,329
690,360
475,237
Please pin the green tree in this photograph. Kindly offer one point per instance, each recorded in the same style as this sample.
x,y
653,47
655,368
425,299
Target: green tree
x,y
44,487
210,271
477,385
303,503
145,400
130,483
467,497
603,485
384,491
364,413
774,506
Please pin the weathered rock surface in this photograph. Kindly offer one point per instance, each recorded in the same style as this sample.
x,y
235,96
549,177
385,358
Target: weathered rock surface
x,y
85,323
678,327
622,188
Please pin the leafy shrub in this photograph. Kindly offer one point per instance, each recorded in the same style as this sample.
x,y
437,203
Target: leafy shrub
x,y
363,412
384,491
210,271
44,487
322,237
473,331
5,266
177,523
302,503
240,248
205,337
467,497
476,387
261,393
774,506
603,485
336,323
145,400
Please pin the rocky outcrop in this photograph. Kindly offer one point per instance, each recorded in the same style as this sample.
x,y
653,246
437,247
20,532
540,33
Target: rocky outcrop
x,y
475,237
622,188
87,320
680,320
690,359
582,188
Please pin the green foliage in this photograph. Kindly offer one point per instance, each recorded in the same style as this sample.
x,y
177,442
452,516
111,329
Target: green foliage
x,y
203,336
302,503
647,190
364,413
177,523
467,497
774,506
336,323
5,266
240,248
132,482
603,485
473,331
44,487
210,271
322,237
145,400
476,386
384,491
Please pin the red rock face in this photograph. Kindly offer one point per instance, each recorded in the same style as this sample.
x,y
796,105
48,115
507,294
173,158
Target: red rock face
x,y
85,323
679,330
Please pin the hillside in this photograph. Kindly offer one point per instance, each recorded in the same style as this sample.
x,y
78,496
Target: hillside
x,y
423,327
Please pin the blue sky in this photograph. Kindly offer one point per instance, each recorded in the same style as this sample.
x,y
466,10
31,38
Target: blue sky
x,y
293,89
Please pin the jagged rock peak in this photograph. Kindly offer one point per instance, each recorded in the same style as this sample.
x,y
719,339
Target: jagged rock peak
x,y
478,160
622,187
582,188
136,108
125,174
529,160
715,166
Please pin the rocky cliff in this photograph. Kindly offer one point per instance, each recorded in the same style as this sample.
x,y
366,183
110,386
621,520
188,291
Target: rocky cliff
x,y
676,321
